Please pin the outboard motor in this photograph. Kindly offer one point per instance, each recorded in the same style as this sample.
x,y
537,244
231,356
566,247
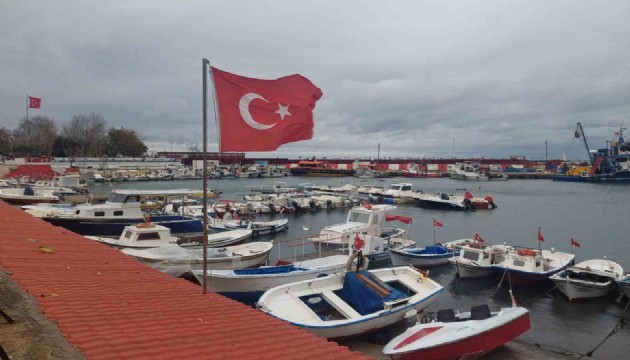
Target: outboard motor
x,y
490,201
312,204
329,205
468,205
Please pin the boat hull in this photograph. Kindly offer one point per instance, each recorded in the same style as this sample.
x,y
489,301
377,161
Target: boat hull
x,y
400,258
579,290
435,205
113,228
320,172
475,346
28,200
526,278
470,271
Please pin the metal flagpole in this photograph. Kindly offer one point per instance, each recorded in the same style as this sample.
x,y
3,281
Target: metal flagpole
x,y
205,62
433,231
28,127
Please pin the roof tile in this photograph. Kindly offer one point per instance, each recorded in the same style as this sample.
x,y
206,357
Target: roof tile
x,y
112,307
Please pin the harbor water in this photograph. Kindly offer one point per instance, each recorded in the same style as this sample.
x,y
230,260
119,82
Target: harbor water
x,y
595,215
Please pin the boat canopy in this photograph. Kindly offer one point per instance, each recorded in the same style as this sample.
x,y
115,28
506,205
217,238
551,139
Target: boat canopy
x,y
366,293
402,219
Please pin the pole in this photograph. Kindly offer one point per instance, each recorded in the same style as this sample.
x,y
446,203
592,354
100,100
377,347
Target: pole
x,y
433,231
28,131
546,155
453,148
205,173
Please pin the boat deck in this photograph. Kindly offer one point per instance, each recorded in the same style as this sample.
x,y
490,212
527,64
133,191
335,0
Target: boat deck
x,y
110,306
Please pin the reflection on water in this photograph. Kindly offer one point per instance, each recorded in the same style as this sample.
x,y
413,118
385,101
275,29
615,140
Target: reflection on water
x,y
595,215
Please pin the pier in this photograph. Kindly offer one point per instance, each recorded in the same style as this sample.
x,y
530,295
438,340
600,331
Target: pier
x,y
110,306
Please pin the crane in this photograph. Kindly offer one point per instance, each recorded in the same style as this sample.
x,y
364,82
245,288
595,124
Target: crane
x,y
579,132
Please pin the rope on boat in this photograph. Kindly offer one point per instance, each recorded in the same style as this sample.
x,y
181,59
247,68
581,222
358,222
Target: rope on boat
x,y
616,328
501,282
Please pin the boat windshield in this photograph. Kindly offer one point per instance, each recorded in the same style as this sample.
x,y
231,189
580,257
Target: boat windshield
x,y
359,217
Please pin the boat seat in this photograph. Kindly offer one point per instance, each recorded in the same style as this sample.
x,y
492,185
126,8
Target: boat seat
x,y
480,312
447,315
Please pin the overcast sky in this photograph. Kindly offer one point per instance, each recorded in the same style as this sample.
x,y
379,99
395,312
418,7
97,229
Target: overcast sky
x,y
499,77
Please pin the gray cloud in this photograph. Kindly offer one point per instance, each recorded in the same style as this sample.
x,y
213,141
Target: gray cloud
x,y
500,78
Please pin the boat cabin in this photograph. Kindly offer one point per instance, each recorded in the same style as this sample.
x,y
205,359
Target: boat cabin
x,y
373,217
146,235
528,260
401,187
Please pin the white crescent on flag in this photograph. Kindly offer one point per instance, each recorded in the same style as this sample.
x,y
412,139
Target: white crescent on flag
x,y
243,107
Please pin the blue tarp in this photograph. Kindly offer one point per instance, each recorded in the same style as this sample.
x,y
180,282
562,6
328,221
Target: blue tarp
x,y
361,297
428,250
282,269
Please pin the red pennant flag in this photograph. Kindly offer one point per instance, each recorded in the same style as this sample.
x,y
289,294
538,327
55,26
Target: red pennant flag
x,y
437,223
540,237
358,243
468,195
574,243
261,115
479,239
34,103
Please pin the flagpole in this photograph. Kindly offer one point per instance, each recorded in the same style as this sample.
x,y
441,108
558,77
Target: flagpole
x,y
433,231
205,62
539,249
28,129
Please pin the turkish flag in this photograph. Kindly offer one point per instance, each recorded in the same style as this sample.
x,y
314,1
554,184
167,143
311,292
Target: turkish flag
x,y
479,239
574,243
540,237
261,115
437,223
34,103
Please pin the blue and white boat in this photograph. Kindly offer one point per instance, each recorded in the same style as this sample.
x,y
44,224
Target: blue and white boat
x,y
430,255
351,304
123,209
528,266
250,284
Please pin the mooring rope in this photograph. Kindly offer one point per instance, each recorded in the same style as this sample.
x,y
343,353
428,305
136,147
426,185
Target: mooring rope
x,y
616,328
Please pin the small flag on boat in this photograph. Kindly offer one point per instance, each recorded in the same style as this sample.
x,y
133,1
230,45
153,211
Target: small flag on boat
x,y
479,239
574,243
358,243
437,223
34,103
540,237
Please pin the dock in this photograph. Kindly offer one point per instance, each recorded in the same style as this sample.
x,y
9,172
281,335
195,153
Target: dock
x,y
69,297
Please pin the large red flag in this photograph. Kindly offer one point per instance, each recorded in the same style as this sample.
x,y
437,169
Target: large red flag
x,y
261,115
574,243
437,223
540,237
34,103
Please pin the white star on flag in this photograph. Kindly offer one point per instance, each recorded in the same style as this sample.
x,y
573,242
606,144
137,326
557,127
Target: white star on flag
x,y
283,111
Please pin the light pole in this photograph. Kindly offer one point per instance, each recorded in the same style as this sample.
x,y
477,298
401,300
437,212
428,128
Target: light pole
x,y
453,148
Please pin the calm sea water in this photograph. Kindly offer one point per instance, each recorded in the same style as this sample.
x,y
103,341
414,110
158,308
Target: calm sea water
x,y
595,215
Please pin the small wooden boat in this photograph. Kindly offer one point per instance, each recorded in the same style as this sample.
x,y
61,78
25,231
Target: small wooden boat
x,y
588,279
528,266
430,255
259,227
466,335
245,284
176,260
624,284
347,305
475,260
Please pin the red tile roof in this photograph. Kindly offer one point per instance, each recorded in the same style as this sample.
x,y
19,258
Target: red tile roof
x,y
112,307
35,172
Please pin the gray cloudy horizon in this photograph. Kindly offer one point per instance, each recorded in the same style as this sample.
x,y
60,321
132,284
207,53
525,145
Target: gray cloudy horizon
x,y
500,78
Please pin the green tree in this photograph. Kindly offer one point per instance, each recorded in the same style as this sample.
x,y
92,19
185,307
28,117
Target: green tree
x,y
35,134
87,130
125,142
6,140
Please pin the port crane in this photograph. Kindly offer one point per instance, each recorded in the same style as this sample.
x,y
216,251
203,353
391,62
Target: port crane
x,y
579,132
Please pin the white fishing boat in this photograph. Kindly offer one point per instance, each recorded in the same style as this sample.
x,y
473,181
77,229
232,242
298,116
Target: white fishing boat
x,y
400,190
465,335
441,201
27,196
430,255
347,305
527,266
475,171
475,259
245,284
588,279
176,260
44,209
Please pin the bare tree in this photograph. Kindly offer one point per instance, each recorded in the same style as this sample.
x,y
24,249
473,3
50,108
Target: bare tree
x,y
38,133
6,140
88,131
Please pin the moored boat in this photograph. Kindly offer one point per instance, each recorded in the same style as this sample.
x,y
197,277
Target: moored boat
x,y
430,255
475,260
27,196
348,305
624,284
466,335
588,279
176,260
259,227
248,284
528,266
